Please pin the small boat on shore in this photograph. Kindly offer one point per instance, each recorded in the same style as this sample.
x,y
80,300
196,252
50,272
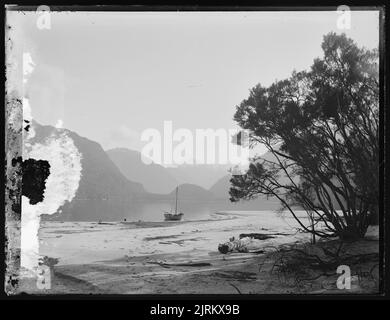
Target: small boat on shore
x,y
173,216
169,216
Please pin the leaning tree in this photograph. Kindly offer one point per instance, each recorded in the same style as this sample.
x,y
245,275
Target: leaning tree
x,y
321,128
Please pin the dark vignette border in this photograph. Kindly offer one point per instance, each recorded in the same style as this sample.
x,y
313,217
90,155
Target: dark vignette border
x,y
247,6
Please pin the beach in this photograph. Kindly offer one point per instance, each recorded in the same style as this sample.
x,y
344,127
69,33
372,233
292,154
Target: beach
x,y
146,257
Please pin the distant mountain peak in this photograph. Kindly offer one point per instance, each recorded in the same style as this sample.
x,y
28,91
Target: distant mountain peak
x,y
100,178
192,191
154,177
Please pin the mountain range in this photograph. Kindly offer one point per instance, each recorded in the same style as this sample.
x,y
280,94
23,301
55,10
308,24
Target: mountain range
x,y
100,179
116,182
162,180
154,177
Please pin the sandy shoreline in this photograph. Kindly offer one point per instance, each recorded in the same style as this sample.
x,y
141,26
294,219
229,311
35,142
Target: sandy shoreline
x,y
168,258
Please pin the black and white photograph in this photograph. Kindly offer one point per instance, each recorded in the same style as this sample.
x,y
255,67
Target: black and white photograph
x,y
193,152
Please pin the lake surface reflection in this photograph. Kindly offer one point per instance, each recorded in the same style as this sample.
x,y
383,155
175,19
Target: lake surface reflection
x,y
118,210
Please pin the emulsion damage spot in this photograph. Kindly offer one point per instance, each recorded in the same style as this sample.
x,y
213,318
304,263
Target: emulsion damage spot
x,y
35,173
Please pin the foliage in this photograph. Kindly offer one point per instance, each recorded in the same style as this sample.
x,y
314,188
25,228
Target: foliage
x,y
321,126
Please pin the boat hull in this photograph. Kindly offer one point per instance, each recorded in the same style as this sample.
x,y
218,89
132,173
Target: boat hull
x,y
173,217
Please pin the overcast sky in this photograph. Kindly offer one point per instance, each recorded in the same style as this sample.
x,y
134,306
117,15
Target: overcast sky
x,y
109,76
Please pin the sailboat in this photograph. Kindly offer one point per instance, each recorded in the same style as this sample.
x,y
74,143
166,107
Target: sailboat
x,y
174,216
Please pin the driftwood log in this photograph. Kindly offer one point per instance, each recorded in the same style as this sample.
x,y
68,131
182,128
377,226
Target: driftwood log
x,y
231,246
246,243
183,264
258,236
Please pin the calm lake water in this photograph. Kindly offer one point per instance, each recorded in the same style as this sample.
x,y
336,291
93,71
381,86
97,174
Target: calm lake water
x,y
118,210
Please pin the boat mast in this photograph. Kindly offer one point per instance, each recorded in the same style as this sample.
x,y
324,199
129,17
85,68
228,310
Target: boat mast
x,y
177,189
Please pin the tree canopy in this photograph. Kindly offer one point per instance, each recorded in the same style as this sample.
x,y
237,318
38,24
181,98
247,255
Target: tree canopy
x,y
322,128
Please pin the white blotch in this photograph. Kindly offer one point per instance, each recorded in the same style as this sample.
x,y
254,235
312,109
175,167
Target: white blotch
x,y
61,185
30,133
28,66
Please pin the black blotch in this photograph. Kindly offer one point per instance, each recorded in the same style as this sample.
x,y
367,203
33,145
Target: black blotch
x,y
14,188
16,161
35,173
27,127
16,207
13,280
